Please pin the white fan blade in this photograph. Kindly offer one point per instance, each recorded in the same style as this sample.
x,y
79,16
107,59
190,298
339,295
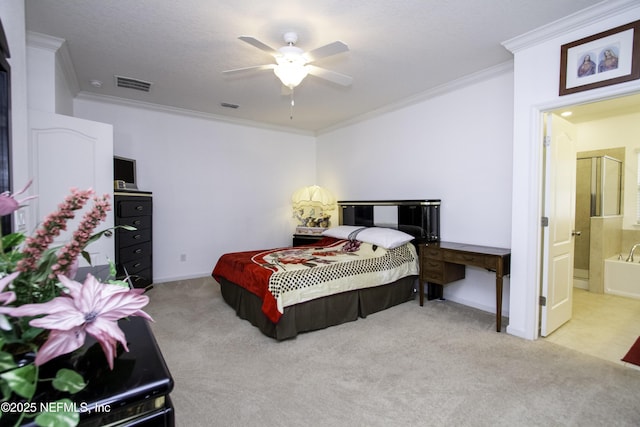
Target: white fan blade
x,y
255,67
324,51
257,43
332,76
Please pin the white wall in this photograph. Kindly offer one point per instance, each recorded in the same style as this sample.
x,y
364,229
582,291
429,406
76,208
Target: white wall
x,y
47,80
455,147
217,187
536,77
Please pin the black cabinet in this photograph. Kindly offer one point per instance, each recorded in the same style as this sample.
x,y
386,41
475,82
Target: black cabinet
x,y
306,239
134,255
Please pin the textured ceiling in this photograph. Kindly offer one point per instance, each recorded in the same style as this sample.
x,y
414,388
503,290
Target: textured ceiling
x,y
398,49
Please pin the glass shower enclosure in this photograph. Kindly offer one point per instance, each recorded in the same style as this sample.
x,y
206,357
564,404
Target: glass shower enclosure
x,y
598,194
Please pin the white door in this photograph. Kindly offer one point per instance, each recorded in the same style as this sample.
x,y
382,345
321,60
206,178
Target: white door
x,y
559,208
68,152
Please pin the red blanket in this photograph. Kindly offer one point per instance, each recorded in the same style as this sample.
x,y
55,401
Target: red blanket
x,y
244,269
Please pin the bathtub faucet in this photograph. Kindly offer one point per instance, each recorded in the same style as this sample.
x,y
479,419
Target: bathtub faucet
x,y
630,257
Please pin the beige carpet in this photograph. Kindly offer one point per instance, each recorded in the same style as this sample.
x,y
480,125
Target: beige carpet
x,y
437,365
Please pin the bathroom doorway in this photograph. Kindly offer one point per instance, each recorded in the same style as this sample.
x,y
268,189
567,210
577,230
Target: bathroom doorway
x,y
607,129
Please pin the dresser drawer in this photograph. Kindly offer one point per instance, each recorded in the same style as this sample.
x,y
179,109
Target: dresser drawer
x,y
127,208
137,265
141,279
431,265
431,252
135,252
139,222
477,260
433,276
128,237
440,272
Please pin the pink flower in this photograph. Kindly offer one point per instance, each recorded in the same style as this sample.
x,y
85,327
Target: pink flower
x,y
92,308
53,224
68,255
8,203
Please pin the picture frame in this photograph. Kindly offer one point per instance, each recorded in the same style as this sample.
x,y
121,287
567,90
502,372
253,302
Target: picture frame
x,y
603,59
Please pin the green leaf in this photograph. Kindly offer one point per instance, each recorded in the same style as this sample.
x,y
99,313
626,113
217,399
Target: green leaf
x,y
61,417
119,283
112,269
6,361
68,380
21,380
30,332
108,231
11,240
87,257
6,391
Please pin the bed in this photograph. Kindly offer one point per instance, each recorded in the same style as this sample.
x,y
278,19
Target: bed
x,y
366,264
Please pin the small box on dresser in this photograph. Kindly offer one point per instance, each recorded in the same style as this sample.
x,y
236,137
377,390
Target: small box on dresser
x,y
134,255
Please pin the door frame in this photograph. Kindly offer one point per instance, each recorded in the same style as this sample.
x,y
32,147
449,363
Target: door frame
x,y
538,114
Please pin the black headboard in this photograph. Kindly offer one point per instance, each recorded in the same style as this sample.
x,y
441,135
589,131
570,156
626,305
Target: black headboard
x,y
420,218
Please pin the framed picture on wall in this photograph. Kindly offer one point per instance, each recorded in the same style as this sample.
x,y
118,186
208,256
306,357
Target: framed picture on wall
x,y
604,59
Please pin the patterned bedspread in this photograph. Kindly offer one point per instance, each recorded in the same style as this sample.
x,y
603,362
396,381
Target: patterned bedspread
x,y
288,276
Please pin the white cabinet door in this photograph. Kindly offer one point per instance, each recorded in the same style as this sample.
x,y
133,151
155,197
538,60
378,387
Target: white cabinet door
x,y
68,152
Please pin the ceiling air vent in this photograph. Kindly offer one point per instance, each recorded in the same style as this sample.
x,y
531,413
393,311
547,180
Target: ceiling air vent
x,y
129,83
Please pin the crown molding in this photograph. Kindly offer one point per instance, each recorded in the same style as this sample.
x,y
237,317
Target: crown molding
x,y
580,19
43,41
88,96
60,48
451,86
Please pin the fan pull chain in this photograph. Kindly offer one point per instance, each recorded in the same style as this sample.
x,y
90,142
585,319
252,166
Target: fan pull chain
x,y
292,104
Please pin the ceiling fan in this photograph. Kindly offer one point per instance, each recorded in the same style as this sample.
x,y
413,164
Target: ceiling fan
x,y
293,64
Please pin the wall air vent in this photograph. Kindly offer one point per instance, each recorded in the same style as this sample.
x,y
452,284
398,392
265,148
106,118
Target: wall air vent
x,y
129,83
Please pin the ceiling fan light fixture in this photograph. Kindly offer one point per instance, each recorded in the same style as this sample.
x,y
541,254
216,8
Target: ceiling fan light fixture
x,y
291,74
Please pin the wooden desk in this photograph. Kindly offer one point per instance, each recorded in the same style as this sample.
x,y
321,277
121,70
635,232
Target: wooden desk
x,y
444,262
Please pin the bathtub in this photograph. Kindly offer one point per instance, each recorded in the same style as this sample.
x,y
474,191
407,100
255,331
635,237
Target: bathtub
x,y
621,277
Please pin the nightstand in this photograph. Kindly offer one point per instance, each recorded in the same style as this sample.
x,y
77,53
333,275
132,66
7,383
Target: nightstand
x,y
306,239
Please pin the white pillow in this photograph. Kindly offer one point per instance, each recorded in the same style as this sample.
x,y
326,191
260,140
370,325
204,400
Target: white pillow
x,y
342,231
387,238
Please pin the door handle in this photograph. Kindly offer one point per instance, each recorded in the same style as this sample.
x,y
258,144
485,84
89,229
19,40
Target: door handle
x,y
576,233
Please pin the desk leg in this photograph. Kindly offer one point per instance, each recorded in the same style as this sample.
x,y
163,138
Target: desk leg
x,y
434,291
499,297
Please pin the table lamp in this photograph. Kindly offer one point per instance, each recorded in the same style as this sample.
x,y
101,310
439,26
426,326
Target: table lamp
x,y
310,207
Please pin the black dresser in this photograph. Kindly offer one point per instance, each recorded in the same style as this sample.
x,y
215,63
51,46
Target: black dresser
x,y
133,251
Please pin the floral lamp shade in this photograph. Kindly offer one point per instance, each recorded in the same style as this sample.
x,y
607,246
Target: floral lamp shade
x,y
310,205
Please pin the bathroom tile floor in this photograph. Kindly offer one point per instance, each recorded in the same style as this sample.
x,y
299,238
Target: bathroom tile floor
x,y
602,325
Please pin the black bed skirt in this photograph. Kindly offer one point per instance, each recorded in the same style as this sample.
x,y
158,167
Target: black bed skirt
x,y
319,313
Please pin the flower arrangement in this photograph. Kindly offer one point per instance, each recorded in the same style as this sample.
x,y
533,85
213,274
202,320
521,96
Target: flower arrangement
x,y
44,313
